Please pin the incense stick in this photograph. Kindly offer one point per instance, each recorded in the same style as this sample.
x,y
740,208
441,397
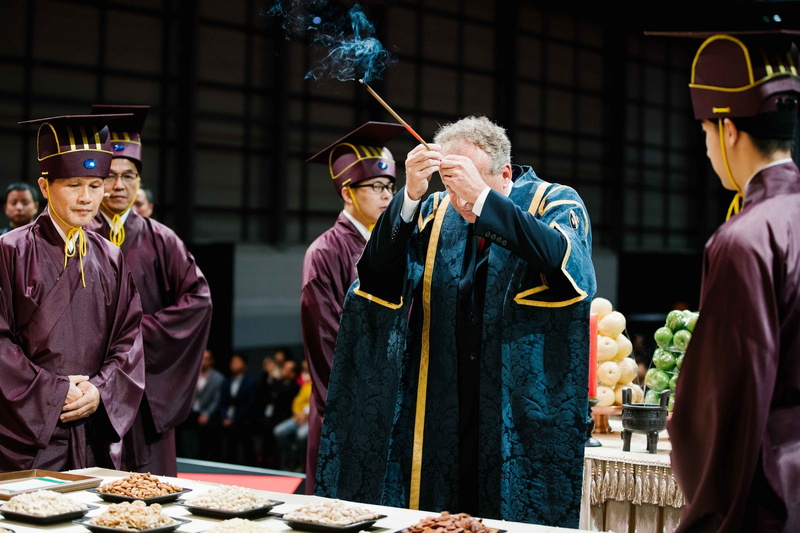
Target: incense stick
x,y
395,115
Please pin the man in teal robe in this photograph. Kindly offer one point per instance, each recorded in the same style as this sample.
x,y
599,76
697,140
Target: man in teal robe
x,y
461,371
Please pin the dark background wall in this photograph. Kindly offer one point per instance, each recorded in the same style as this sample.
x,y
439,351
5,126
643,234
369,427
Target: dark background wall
x,y
588,99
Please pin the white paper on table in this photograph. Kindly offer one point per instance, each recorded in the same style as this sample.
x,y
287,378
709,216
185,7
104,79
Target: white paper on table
x,y
30,484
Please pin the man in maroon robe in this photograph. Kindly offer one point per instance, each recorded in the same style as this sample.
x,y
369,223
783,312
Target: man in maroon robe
x,y
176,303
72,365
735,430
362,171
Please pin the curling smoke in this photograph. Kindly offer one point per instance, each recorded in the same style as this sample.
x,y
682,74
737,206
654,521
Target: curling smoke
x,y
353,51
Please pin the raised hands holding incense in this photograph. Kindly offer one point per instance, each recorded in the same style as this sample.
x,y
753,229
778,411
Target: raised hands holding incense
x,y
421,163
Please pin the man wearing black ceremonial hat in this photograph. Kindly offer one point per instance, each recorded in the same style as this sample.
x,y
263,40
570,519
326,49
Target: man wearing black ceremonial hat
x,y
735,430
362,172
176,302
72,365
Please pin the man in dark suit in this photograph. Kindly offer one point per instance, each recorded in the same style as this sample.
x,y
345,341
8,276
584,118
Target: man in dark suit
x,y
199,435
239,413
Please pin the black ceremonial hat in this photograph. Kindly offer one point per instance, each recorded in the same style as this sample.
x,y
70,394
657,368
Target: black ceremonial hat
x,y
360,155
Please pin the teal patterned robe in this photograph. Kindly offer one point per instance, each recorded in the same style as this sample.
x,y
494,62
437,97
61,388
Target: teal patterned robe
x,y
391,428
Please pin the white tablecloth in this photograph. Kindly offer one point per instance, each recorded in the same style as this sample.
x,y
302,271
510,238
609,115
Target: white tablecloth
x,y
396,519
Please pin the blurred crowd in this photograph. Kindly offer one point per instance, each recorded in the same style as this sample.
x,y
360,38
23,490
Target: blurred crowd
x,y
250,418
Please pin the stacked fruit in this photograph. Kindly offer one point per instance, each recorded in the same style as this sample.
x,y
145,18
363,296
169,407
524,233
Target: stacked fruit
x,y
672,339
616,367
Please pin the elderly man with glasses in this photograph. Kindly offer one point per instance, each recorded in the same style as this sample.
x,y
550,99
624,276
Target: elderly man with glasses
x,y
362,171
176,303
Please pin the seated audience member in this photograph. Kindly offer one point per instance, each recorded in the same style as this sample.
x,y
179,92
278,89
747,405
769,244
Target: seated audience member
x,y
278,394
291,434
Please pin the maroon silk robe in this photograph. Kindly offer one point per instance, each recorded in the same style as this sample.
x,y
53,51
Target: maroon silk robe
x,y
735,430
329,268
176,303
51,326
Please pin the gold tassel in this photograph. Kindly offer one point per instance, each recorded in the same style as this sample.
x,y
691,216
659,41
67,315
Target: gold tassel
x,y
670,489
117,233
678,497
735,207
79,248
80,241
599,477
593,499
637,495
606,482
655,482
622,483
662,492
653,496
736,203
631,482
613,482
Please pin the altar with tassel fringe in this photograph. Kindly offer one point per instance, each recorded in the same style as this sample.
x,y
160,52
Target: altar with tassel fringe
x,y
629,491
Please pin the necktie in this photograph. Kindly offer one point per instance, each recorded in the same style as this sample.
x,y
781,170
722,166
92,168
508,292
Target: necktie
x,y
483,243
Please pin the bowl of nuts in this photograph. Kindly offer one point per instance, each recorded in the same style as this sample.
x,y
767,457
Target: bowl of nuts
x,y
43,507
229,501
134,516
331,517
139,486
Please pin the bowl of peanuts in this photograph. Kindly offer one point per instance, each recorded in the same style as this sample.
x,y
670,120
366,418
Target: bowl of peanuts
x,y
136,516
139,486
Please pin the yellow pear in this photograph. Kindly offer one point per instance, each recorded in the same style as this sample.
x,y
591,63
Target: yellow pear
x,y
612,324
637,394
606,348
608,373
600,307
605,396
624,347
628,369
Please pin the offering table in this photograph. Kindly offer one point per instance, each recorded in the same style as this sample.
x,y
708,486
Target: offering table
x,y
395,520
632,491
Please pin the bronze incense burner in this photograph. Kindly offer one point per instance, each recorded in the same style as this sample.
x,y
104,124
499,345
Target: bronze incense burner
x,y
648,418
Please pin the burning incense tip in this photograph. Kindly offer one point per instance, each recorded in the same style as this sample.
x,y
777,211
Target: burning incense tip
x,y
395,115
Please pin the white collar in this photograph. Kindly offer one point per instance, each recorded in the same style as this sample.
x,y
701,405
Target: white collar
x,y
770,164
359,226
64,235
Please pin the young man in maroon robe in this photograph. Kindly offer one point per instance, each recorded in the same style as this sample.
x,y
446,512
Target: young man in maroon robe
x,y
72,365
362,171
735,430
176,302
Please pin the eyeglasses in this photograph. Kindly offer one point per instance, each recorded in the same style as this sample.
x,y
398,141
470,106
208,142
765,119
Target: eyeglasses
x,y
127,177
377,188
